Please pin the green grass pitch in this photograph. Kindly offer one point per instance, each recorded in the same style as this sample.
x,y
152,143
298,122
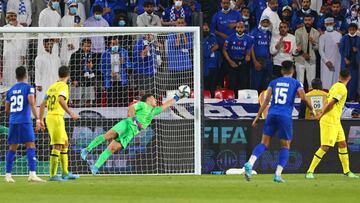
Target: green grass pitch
x,y
206,188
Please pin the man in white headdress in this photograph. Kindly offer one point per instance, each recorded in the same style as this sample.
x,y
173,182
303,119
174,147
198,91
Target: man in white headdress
x,y
330,55
49,17
23,10
47,64
14,51
71,19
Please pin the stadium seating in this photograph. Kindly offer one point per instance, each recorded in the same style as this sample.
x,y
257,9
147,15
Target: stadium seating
x,y
248,96
224,94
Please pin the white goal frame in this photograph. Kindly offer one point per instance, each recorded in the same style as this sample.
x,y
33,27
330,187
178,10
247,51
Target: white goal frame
x,y
142,30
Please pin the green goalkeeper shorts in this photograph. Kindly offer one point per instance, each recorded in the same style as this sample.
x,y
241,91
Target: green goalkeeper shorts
x,y
126,130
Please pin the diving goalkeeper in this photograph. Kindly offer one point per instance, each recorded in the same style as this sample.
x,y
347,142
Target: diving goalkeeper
x,y
140,116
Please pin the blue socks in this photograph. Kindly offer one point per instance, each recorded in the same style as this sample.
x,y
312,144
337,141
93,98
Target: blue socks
x,y
258,150
283,157
9,160
31,159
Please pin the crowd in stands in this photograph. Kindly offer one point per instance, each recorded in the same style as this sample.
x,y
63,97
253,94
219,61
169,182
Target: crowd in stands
x,y
244,44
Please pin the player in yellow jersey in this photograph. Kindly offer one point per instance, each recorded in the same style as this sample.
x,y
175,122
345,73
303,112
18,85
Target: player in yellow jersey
x,y
56,99
331,131
317,98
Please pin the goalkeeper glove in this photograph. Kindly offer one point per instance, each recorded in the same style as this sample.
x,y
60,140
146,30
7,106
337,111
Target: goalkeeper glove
x,y
137,123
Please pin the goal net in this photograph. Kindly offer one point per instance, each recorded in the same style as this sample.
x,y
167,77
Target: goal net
x,y
110,69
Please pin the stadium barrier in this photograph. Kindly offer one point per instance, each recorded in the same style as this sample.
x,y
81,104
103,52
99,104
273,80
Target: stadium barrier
x,y
226,144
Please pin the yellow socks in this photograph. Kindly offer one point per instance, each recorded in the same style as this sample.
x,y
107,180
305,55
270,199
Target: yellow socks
x,y
54,158
316,160
344,158
64,161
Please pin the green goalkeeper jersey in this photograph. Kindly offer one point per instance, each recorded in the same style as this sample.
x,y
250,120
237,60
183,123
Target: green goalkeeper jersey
x,y
146,113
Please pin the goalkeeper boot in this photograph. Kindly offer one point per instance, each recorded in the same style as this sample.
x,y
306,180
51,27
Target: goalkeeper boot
x,y
309,175
9,179
56,178
84,153
278,179
94,169
70,176
34,178
350,175
248,171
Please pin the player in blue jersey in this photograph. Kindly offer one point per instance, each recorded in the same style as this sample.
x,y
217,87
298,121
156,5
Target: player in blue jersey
x,y
279,120
20,102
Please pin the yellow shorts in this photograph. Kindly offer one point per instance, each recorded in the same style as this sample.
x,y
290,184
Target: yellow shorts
x,y
56,127
331,134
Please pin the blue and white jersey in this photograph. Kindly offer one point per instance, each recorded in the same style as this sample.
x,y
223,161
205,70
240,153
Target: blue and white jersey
x,y
17,97
261,41
238,46
284,91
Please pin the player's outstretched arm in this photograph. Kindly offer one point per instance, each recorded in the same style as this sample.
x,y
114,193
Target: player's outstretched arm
x,y
63,104
182,92
31,99
263,106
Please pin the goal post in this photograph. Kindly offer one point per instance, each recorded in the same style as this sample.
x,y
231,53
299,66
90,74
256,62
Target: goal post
x,y
171,144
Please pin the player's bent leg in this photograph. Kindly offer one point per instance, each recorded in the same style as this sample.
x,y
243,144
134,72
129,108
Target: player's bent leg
x,y
109,135
258,150
113,147
319,154
10,156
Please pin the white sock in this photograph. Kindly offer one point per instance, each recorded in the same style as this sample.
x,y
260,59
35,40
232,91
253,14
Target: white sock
x,y
252,159
8,175
279,170
32,173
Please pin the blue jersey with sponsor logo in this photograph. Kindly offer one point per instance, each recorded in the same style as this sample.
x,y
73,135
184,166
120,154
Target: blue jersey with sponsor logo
x,y
237,47
284,91
220,22
261,41
17,97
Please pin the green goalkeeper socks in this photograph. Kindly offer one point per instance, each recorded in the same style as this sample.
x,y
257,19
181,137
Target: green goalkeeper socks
x,y
103,157
96,142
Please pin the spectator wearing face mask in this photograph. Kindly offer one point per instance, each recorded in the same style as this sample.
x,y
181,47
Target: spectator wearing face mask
x,y
337,14
81,11
97,43
70,45
110,7
148,18
173,13
271,12
224,22
115,64
350,58
23,9
299,15
49,17
261,57
245,17
330,55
